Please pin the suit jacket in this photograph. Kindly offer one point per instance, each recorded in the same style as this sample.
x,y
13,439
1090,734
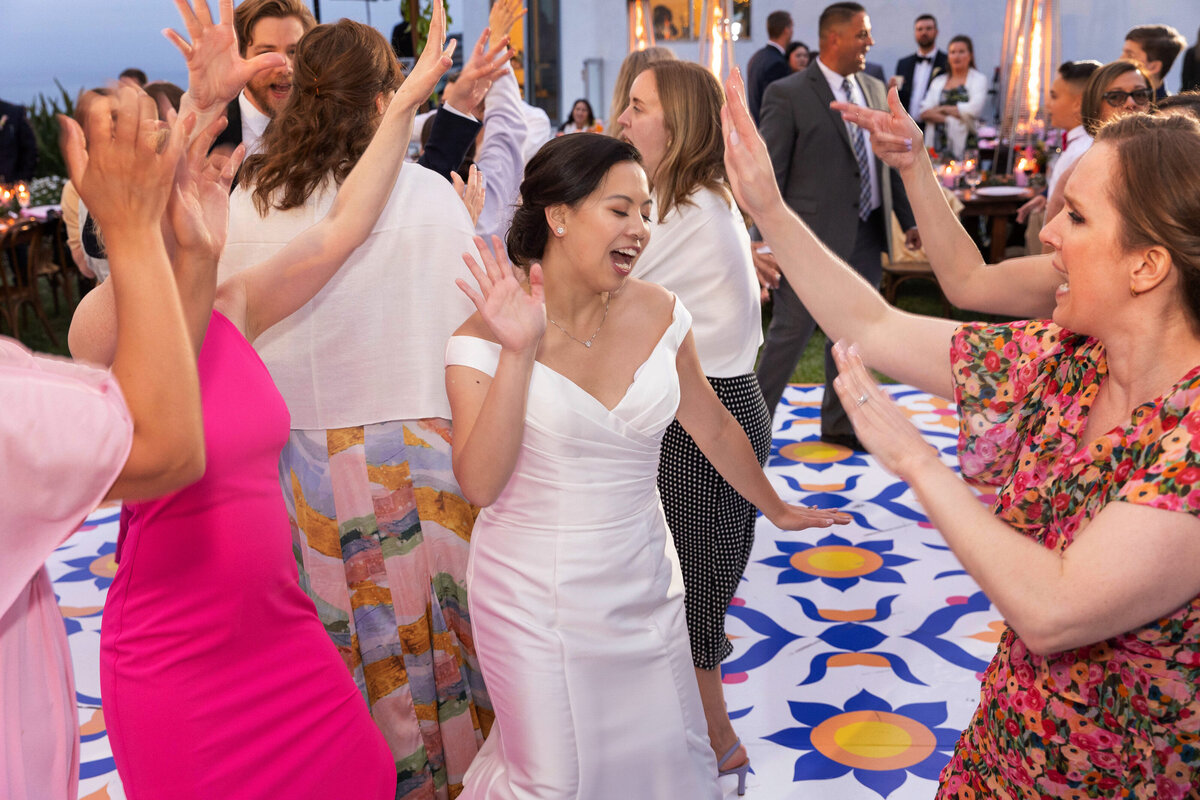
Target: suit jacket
x,y
18,145
905,68
814,159
449,140
766,65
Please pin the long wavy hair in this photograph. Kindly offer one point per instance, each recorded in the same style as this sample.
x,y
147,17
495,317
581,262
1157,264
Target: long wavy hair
x,y
330,118
691,102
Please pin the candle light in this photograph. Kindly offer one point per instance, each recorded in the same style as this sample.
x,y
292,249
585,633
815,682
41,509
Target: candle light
x,y
1022,172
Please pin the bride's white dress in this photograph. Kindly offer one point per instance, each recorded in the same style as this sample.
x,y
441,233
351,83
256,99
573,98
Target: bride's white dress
x,y
577,600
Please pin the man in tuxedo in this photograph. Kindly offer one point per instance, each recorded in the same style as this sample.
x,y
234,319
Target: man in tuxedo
x,y
828,176
915,71
770,63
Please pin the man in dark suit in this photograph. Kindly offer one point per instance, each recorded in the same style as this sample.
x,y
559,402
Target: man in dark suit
x,y
18,145
770,63
828,176
915,71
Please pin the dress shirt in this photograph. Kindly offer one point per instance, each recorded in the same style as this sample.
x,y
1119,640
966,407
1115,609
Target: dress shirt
x,y
858,98
254,122
922,72
1078,143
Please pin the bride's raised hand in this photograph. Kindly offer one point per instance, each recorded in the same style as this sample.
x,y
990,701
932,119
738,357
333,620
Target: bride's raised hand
x,y
893,132
747,163
216,70
515,317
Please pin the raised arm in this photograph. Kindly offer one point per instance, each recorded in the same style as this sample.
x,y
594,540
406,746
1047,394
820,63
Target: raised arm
x,y
216,70
910,348
489,411
261,296
125,180
1106,583
1022,287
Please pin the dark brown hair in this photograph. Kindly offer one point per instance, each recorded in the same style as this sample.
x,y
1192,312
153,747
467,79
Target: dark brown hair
x,y
1162,43
564,172
837,14
1093,93
1156,191
1188,102
691,102
330,117
250,12
964,39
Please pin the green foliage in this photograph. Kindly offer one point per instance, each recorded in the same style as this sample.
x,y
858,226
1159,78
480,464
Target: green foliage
x,y
45,127
422,24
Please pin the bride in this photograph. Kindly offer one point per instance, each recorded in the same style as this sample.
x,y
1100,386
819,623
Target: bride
x,y
574,584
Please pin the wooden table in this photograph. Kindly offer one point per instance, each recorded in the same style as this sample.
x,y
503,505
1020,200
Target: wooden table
x,y
998,210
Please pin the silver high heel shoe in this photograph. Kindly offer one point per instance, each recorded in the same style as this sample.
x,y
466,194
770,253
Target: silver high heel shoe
x,y
739,770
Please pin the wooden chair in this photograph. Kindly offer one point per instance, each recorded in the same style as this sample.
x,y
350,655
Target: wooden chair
x,y
56,265
20,256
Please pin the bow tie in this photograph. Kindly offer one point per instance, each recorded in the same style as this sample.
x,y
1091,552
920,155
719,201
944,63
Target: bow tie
x,y
925,59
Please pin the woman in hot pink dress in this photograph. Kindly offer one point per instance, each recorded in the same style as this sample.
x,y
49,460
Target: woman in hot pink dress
x,y
72,435
217,677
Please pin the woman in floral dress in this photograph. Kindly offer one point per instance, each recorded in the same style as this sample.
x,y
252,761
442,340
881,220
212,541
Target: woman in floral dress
x,y
1086,425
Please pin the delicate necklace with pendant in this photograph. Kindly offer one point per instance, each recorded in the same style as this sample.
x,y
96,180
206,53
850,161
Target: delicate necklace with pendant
x,y
586,342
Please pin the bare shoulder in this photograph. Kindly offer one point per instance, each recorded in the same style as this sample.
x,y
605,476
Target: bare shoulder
x,y
476,327
649,300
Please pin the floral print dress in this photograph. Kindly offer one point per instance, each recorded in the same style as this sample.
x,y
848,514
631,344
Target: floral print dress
x,y
1119,718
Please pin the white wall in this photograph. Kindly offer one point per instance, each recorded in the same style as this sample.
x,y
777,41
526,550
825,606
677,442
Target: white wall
x,y
86,42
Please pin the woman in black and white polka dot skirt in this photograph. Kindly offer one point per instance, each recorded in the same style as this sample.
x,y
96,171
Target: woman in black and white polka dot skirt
x,y
700,250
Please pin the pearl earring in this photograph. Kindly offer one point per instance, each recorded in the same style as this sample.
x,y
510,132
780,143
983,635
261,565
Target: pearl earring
x,y
559,230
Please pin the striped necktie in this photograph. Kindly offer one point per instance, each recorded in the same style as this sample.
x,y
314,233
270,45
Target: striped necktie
x,y
860,155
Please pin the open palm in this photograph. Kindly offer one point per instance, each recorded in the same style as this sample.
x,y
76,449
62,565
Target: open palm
x,y
216,70
515,317
893,132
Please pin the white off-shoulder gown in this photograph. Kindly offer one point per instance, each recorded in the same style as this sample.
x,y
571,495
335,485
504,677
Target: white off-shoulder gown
x,y
577,600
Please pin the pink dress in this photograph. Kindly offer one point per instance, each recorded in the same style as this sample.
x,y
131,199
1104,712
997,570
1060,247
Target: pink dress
x,y
64,436
218,679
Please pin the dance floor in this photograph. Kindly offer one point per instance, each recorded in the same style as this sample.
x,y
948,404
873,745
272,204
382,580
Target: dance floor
x,y
857,650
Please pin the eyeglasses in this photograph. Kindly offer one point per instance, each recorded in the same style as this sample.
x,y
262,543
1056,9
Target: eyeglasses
x,y
1117,97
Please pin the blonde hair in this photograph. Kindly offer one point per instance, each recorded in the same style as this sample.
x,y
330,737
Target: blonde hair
x,y
634,64
691,101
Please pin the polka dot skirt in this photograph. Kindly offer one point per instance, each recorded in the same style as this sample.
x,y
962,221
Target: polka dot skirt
x,y
712,525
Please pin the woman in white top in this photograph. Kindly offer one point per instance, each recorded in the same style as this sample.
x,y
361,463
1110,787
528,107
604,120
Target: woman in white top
x,y
700,250
381,528
954,100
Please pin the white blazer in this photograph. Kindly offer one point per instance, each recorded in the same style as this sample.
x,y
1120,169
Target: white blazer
x,y
956,128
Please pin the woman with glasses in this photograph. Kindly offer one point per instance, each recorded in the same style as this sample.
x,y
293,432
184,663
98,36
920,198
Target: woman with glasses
x,y
1087,424
1119,87
1025,287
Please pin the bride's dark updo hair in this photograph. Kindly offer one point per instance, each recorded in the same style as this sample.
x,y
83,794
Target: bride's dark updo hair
x,y
564,172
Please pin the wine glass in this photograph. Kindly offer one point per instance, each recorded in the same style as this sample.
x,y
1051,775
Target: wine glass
x,y
972,175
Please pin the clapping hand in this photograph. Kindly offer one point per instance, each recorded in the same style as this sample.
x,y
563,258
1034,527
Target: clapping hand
x,y
198,211
125,169
878,422
430,67
472,191
516,318
216,70
747,163
502,17
485,65
893,132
